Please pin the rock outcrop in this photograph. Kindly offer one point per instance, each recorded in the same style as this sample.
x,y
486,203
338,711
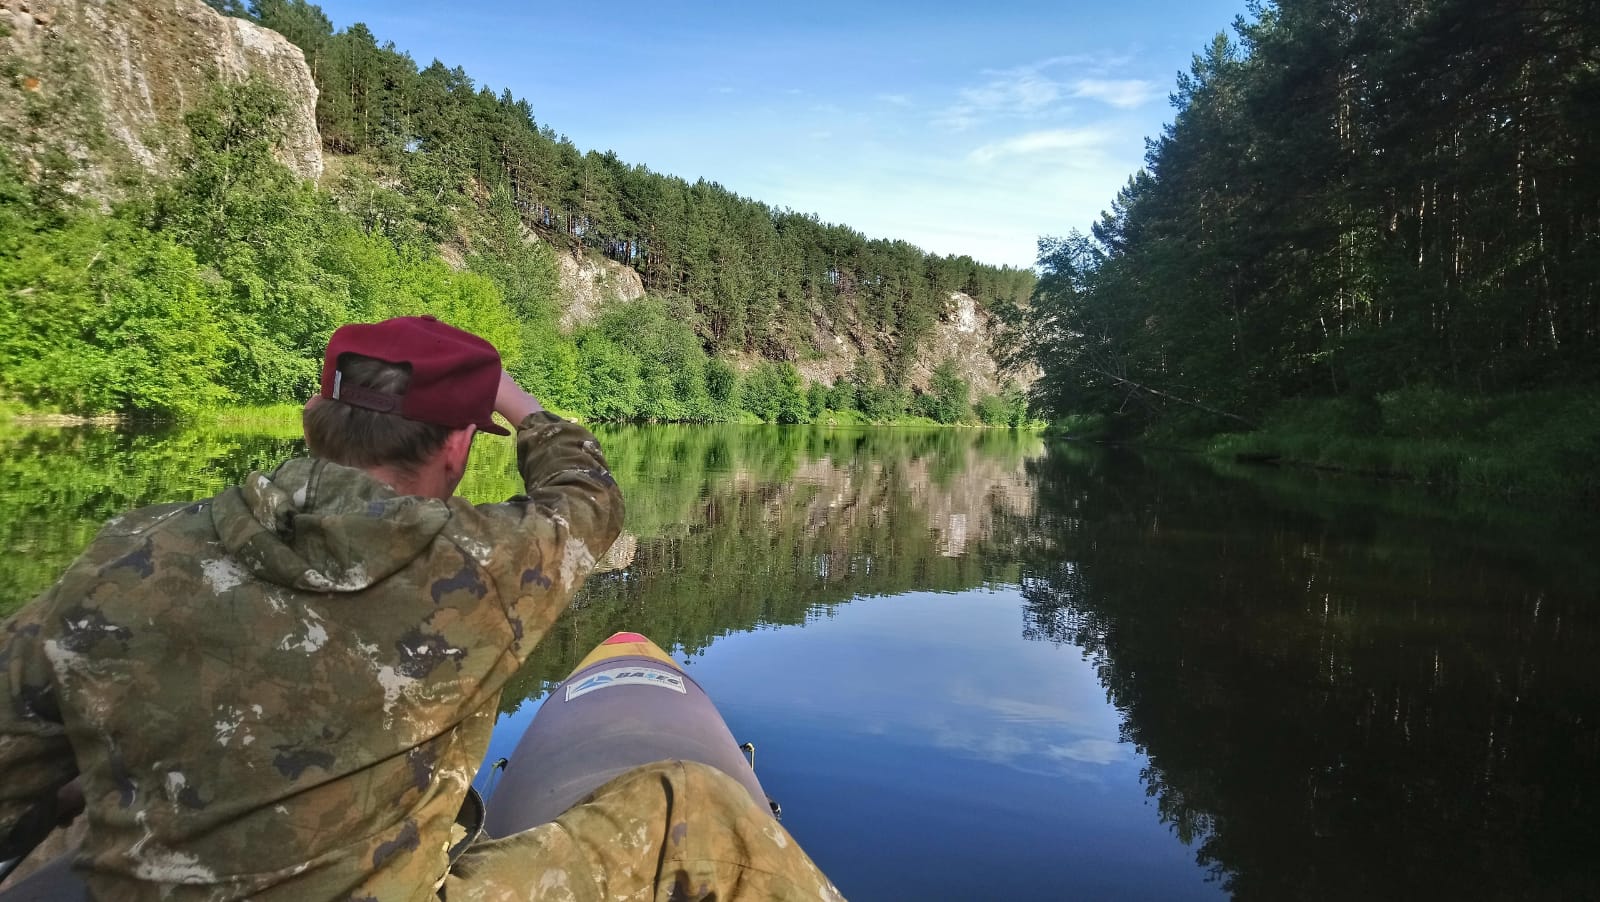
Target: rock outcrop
x,y
588,284
108,81
962,334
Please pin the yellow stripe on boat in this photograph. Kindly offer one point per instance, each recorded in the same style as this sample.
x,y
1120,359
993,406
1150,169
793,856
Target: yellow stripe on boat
x,y
623,645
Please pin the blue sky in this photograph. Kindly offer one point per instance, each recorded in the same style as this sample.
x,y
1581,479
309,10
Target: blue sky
x,y
968,128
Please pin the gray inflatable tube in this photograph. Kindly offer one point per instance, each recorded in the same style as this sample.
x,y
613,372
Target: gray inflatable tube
x,y
611,715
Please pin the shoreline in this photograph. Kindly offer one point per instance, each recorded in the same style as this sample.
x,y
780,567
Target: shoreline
x,y
50,420
279,414
1515,475
1514,445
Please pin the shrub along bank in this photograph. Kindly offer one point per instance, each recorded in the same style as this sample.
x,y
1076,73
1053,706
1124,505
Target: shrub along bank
x,y
220,288
1542,443
1537,443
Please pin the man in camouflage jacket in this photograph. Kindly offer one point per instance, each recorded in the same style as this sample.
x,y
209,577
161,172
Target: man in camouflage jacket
x,y
283,691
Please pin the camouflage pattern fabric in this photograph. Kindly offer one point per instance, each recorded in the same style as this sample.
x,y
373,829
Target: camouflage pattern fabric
x,y
283,692
673,830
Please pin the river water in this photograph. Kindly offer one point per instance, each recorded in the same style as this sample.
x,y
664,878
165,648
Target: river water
x,y
976,665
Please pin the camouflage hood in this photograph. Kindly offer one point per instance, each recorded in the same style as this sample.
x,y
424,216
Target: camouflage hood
x,y
321,527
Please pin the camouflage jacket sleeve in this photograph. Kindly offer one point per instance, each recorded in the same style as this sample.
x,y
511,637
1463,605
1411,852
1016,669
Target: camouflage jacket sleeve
x,y
543,544
35,757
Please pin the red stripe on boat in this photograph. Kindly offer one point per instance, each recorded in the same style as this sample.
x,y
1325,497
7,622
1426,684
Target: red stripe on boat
x,y
620,638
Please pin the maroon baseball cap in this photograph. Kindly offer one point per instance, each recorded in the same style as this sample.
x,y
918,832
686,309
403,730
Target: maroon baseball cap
x,y
455,375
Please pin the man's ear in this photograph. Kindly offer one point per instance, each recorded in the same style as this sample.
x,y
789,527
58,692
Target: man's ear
x,y
449,463
460,443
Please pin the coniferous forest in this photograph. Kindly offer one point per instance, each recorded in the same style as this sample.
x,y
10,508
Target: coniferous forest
x,y
1367,240
443,195
757,276
1366,221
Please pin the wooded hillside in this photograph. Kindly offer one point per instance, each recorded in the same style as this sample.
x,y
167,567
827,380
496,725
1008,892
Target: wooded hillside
x,y
215,276
1391,204
762,280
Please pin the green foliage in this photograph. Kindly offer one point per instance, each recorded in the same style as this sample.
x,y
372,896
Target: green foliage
x,y
816,400
101,315
1425,411
883,402
551,367
756,278
842,396
525,271
262,230
227,286
722,382
670,361
223,284
772,392
948,394
1540,443
1378,206
992,411
1092,427
610,385
1008,408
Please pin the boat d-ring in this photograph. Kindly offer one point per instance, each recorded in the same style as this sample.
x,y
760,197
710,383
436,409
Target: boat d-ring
x,y
749,749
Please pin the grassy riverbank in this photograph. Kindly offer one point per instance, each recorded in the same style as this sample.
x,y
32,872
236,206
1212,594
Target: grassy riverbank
x,y
1536,444
10,410
283,420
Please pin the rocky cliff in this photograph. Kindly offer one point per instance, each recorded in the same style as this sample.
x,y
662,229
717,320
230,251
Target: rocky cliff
x,y
962,334
106,82
590,283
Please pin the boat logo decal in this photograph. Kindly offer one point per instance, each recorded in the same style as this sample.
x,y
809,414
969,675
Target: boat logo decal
x,y
625,676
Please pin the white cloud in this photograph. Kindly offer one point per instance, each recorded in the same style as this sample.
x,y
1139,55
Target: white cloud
x,y
1041,142
1035,90
1021,92
1017,710
1089,751
1095,63
1125,93
944,202
1047,149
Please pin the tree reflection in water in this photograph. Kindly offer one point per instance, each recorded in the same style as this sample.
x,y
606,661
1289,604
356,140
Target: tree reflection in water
x,y
732,528
1339,697
1344,689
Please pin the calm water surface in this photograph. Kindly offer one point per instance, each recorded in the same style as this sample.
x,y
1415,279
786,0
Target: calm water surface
x,y
978,666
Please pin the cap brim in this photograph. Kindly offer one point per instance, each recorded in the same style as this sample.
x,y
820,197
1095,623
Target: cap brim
x,y
492,426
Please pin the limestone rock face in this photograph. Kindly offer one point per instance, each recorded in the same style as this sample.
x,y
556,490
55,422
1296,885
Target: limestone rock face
x,y
962,333
108,81
588,284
